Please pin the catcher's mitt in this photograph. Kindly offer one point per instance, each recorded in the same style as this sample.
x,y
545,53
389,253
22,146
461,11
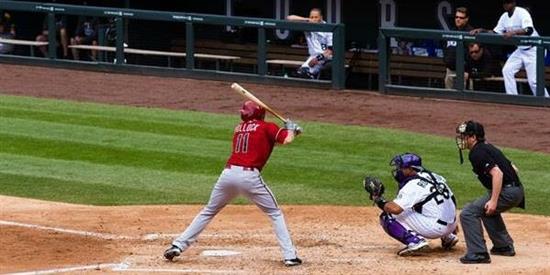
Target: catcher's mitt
x,y
374,187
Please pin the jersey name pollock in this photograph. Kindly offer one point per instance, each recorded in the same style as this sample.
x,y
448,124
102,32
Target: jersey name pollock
x,y
253,143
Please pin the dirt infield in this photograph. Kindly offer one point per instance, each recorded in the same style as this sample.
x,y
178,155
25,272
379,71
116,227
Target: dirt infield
x,y
331,240
38,235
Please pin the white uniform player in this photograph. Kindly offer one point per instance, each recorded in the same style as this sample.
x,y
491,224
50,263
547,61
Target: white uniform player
x,y
424,207
437,215
318,43
319,46
518,21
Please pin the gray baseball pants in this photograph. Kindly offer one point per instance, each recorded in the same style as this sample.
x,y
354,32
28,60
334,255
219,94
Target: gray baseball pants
x,y
232,182
473,215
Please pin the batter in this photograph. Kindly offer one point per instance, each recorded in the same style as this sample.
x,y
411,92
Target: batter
x,y
253,142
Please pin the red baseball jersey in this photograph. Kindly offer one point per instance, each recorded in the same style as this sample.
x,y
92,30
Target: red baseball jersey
x,y
253,142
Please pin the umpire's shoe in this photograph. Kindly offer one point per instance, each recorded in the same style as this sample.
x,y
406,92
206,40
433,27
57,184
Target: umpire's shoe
x,y
172,252
414,248
504,251
476,258
293,262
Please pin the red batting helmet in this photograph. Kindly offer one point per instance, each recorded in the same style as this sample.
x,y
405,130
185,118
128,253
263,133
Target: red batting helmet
x,y
251,110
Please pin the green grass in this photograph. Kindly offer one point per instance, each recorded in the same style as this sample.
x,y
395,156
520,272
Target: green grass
x,y
116,155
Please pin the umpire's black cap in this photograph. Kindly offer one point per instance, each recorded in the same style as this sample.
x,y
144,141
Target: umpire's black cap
x,y
470,128
508,1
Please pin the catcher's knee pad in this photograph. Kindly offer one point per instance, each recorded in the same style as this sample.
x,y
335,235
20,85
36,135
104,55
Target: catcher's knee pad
x,y
397,231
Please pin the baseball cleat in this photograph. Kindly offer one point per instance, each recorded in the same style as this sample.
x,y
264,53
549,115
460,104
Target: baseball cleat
x,y
449,241
293,262
504,251
172,252
476,258
414,248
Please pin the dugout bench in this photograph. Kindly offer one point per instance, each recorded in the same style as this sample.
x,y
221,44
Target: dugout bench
x,y
169,54
30,43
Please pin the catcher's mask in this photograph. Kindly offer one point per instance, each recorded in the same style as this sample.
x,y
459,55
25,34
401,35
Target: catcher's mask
x,y
406,160
467,129
251,110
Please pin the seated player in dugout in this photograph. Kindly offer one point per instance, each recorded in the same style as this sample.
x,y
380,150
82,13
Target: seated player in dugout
x,y
479,65
480,62
319,46
86,34
7,31
61,29
424,207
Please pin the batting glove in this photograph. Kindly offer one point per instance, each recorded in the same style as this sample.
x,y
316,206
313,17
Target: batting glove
x,y
292,126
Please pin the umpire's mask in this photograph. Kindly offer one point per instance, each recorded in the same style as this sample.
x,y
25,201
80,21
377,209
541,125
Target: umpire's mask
x,y
465,129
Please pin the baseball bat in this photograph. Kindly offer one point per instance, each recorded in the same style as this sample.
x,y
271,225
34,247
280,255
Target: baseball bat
x,y
238,88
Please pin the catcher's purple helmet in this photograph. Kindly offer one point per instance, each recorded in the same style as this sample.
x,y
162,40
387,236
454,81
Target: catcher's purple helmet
x,y
406,160
251,110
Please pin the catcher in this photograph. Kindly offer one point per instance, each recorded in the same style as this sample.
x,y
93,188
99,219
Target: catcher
x,y
425,206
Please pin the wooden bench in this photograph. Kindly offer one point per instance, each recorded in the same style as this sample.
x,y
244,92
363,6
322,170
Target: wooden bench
x,y
521,79
282,56
284,64
402,68
217,58
30,43
241,54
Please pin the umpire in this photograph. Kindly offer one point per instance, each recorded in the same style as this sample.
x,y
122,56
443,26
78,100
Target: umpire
x,y
505,191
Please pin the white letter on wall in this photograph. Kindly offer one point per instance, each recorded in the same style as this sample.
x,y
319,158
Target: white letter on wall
x,y
281,12
444,9
388,16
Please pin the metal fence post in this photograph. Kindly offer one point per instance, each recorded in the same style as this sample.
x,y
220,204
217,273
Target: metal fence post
x,y
119,40
383,61
101,41
52,33
189,46
262,66
459,70
540,71
338,60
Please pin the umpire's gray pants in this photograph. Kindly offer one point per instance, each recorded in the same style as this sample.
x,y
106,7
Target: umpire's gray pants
x,y
473,214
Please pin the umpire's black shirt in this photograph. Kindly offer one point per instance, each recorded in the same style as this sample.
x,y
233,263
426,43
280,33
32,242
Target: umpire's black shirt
x,y
484,157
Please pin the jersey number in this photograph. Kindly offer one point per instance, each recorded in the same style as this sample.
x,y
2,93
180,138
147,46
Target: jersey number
x,y
442,192
241,145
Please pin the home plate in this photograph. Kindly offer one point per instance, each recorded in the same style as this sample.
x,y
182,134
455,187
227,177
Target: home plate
x,y
219,253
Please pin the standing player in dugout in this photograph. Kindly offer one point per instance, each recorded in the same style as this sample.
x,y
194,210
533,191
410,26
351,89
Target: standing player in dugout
x,y
517,21
253,142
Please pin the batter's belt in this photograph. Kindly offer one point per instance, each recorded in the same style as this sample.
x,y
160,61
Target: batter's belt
x,y
245,168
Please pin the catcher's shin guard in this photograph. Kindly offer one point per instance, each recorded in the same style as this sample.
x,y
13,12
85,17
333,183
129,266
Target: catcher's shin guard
x,y
398,231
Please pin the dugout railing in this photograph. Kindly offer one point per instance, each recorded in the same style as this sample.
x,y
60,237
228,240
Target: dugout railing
x,y
462,39
188,21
